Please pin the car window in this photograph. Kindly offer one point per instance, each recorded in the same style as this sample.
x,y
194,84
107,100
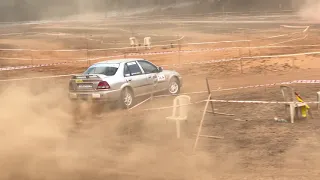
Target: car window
x,y
126,71
148,67
132,68
106,69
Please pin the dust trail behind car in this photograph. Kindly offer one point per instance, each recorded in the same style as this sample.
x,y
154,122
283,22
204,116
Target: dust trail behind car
x,y
39,140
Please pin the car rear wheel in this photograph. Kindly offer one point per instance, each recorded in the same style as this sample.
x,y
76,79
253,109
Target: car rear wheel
x,y
127,98
174,86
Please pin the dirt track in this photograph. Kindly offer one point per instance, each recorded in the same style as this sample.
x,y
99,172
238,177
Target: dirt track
x,y
40,141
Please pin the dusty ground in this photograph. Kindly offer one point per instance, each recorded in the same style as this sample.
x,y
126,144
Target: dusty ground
x,y
40,140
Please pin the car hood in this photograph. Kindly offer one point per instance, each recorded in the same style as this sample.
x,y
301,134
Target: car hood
x,y
169,72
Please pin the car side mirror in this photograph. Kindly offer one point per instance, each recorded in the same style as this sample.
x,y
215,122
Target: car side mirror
x,y
160,69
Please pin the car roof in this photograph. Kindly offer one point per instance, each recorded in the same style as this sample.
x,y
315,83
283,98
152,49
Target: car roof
x,y
119,60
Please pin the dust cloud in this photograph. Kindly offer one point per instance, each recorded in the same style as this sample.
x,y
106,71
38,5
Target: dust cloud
x,y
31,10
39,140
310,10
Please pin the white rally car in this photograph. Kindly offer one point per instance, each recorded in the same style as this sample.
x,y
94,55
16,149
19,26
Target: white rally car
x,y
122,81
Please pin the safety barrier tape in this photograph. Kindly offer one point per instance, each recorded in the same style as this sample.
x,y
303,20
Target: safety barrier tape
x,y
296,39
92,59
172,40
42,59
157,53
50,64
282,55
10,34
228,101
281,35
289,40
38,33
92,50
123,48
298,27
305,82
254,86
259,102
231,101
238,59
269,85
272,13
32,78
250,87
27,22
306,28
31,66
170,107
167,52
199,92
272,84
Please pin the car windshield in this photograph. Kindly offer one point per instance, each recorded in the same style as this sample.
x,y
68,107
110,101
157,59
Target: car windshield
x,y
106,69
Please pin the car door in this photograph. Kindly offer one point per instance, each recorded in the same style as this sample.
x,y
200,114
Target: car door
x,y
136,78
154,77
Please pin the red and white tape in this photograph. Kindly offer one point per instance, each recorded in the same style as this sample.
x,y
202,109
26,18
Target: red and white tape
x,y
33,78
249,57
164,52
229,101
170,107
253,86
272,84
305,82
296,39
250,87
30,66
121,48
258,102
93,59
169,52
52,64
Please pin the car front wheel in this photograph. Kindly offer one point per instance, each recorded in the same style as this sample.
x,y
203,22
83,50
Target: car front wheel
x,y
174,86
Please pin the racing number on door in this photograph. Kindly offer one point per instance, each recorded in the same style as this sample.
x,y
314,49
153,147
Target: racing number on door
x,y
161,77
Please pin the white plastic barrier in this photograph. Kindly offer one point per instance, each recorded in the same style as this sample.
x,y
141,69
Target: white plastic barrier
x,y
147,42
133,41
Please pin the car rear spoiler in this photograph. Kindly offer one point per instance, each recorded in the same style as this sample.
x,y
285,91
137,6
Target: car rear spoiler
x,y
85,76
